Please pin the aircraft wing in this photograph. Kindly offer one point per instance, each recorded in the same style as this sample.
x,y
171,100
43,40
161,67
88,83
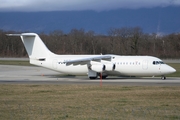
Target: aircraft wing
x,y
87,60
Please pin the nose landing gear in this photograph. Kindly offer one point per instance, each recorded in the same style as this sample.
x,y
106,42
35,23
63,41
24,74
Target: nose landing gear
x,y
163,77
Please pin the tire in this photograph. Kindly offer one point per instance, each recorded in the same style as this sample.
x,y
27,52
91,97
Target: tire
x,y
92,78
163,77
104,77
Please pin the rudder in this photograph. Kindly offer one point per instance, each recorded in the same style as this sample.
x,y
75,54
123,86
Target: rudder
x,y
35,47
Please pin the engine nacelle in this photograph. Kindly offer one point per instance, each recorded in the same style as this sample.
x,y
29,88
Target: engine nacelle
x,y
98,67
110,67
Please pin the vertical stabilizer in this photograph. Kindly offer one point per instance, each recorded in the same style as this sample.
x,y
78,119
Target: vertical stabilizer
x,y
35,47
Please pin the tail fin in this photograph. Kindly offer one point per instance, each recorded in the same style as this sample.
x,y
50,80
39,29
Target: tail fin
x,y
35,47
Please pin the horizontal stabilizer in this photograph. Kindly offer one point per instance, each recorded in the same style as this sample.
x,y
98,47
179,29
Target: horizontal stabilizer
x,y
23,34
13,34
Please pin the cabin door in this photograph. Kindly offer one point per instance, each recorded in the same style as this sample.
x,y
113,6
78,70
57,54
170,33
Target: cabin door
x,y
145,65
55,64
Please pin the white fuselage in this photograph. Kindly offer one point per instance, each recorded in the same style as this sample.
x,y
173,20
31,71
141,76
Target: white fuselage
x,y
124,65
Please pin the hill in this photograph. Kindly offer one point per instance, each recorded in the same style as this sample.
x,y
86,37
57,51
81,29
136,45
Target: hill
x,y
151,20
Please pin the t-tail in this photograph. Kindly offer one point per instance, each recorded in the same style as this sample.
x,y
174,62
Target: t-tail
x,y
36,49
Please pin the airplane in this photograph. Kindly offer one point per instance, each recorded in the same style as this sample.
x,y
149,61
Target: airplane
x,y
93,66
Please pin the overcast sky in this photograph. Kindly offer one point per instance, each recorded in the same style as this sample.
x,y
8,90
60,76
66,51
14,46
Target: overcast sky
x,y
97,5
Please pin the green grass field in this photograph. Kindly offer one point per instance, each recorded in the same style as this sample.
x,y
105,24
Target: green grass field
x,y
84,102
14,62
89,102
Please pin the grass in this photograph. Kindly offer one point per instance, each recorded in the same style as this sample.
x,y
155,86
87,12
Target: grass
x,y
14,62
88,102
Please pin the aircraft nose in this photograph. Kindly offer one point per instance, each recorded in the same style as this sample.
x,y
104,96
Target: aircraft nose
x,y
171,70
166,69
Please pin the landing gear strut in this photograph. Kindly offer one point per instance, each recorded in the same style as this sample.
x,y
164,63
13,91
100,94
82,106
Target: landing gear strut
x,y
163,77
92,74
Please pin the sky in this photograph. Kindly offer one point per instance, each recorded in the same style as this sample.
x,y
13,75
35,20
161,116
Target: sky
x,y
78,5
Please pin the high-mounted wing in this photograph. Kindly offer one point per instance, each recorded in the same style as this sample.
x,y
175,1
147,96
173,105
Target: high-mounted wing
x,y
87,60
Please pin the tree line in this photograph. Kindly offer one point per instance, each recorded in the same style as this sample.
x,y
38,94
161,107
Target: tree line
x,y
120,41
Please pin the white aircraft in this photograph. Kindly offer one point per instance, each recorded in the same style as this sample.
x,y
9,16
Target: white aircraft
x,y
92,65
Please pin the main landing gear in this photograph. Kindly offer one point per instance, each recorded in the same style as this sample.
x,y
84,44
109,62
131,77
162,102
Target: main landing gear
x,y
101,76
92,78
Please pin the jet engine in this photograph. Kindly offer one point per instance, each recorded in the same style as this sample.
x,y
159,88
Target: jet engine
x,y
98,67
110,67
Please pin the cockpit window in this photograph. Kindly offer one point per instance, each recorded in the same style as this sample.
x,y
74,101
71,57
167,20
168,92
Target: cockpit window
x,y
161,62
157,62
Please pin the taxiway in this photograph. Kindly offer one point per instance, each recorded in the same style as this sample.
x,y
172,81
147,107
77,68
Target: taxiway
x,y
11,74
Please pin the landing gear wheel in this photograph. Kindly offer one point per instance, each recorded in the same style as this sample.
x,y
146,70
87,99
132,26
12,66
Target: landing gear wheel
x,y
163,77
104,77
92,78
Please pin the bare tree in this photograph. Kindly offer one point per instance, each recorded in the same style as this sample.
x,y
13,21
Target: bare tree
x,y
123,41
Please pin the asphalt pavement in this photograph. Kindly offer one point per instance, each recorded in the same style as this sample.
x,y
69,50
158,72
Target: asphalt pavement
x,y
11,74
